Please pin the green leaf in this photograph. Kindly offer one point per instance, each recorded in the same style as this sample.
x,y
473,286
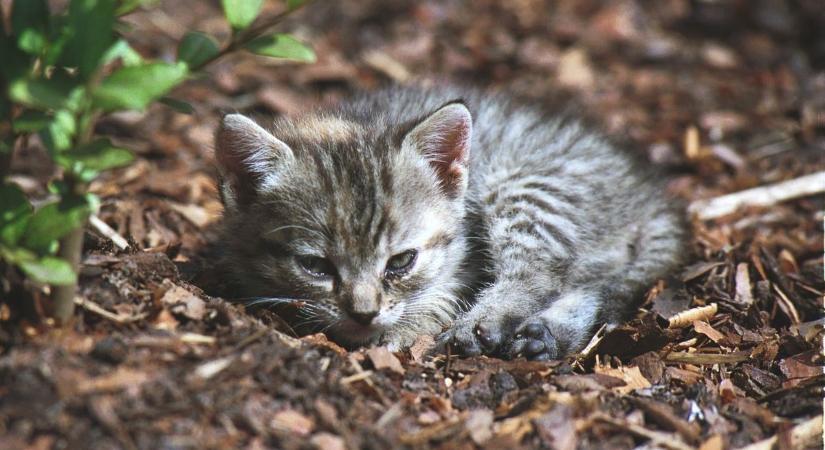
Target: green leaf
x,y
58,134
92,23
40,92
15,212
282,46
123,51
49,270
241,13
31,41
137,86
178,105
96,156
196,48
53,221
30,122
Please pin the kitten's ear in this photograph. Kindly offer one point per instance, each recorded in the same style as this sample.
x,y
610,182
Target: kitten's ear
x,y
444,139
248,157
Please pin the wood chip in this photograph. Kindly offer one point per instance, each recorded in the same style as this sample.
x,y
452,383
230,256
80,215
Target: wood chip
x,y
210,369
291,421
744,290
703,327
382,359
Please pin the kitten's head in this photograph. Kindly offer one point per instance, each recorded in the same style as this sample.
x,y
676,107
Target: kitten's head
x,y
360,221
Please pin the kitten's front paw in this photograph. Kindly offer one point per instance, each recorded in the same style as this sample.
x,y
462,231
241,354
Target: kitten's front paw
x,y
471,338
534,341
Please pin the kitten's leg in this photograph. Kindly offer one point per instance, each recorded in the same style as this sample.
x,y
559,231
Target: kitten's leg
x,y
531,246
566,325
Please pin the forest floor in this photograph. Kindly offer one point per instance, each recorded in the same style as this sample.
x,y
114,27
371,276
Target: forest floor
x,y
724,96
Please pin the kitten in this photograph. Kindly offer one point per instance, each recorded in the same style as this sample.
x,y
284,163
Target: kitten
x,y
406,211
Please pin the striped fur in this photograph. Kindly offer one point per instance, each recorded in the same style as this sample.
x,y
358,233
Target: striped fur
x,y
530,229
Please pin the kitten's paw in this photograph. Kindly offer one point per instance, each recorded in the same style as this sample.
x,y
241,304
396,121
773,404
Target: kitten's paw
x,y
534,341
469,338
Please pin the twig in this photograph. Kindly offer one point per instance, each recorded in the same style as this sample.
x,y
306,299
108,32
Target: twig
x,y
705,358
97,309
594,341
759,196
807,434
685,318
104,229
365,375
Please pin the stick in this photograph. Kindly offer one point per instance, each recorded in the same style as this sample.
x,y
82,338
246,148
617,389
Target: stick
x,y
699,359
106,230
97,309
759,196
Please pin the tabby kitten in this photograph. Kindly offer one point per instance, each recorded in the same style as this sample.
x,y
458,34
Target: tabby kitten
x,y
406,211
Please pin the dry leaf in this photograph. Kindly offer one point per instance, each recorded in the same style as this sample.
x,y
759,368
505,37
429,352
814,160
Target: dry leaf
x,y
632,377
421,346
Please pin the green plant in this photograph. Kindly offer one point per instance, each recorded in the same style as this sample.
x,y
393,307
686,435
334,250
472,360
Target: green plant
x,y
60,71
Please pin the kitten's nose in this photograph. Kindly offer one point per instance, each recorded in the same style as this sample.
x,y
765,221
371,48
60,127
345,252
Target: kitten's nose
x,y
364,318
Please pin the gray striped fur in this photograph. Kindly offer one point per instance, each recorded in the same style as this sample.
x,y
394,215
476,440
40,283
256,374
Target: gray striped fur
x,y
546,232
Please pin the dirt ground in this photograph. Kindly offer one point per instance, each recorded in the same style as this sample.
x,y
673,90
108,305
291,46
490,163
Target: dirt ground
x,y
724,96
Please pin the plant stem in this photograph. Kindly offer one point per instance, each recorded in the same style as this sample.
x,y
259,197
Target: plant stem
x,y
71,245
246,36
71,248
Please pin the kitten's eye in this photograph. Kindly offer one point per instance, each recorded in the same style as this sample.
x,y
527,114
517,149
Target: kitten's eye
x,y
401,263
317,266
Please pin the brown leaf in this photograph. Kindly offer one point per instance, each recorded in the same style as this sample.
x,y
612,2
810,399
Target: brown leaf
x,y
632,377
382,359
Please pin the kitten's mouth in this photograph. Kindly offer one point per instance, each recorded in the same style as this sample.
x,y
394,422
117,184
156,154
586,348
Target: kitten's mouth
x,y
349,333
